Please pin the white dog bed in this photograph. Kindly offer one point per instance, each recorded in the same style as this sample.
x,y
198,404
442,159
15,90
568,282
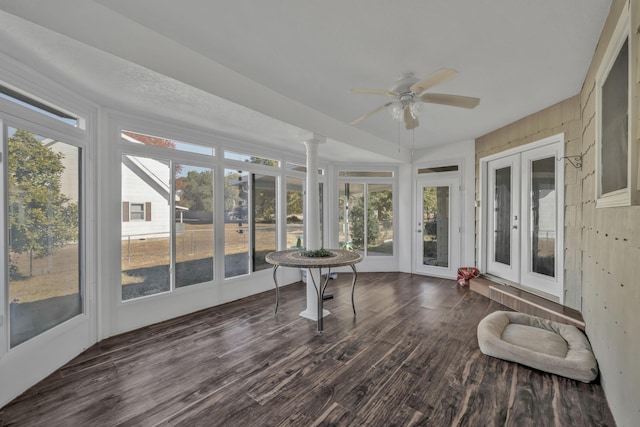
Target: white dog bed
x,y
538,343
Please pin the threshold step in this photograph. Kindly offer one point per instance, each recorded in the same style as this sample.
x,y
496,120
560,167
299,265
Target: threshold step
x,y
526,302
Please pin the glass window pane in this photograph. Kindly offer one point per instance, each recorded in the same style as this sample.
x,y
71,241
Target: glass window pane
x,y
231,155
438,169
264,219
194,242
300,168
502,216
43,228
137,211
172,144
436,226
295,218
145,253
615,124
366,174
351,216
236,216
40,107
543,216
380,219
295,167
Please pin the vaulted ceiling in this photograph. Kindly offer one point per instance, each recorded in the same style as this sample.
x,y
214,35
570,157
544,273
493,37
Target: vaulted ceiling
x,y
295,60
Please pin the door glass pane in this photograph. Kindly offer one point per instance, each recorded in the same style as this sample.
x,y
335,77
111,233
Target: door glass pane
x,y
435,219
380,219
43,207
351,216
146,226
543,216
502,216
194,225
295,218
264,219
236,229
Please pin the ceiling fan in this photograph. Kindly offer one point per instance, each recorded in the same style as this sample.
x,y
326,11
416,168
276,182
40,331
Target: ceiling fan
x,y
409,93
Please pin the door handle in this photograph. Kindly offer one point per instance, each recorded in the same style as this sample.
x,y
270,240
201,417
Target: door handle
x,y
515,227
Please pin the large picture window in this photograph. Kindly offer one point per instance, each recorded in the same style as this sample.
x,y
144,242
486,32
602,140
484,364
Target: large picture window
x,y
167,219
616,148
250,221
43,222
146,245
295,189
194,231
365,212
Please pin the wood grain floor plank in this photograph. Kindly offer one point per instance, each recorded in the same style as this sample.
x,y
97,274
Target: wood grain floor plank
x,y
391,394
335,415
410,357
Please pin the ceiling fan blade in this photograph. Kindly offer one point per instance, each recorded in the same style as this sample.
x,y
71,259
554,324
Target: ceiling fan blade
x,y
409,121
432,80
373,92
453,100
370,113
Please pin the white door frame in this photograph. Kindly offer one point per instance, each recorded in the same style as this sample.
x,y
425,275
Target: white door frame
x,y
483,247
453,181
507,271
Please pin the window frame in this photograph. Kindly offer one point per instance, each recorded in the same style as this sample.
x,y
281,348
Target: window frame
x,y
141,211
172,157
44,353
629,195
344,174
15,115
253,169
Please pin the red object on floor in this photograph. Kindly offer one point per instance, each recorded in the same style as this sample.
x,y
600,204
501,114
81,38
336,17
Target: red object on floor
x,y
467,273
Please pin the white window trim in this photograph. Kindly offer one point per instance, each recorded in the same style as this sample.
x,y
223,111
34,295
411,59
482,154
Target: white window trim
x,y
631,194
364,167
28,360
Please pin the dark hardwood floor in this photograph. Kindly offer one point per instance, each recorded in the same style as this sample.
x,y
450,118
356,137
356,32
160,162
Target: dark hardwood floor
x,y
410,357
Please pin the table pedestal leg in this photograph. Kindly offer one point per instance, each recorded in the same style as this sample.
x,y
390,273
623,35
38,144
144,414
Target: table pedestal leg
x,y
353,287
320,287
314,310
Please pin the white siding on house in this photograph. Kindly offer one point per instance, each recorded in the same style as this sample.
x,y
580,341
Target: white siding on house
x,y
145,181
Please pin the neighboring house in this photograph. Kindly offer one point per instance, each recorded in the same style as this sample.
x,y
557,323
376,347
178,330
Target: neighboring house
x,y
146,211
145,191
70,161
145,194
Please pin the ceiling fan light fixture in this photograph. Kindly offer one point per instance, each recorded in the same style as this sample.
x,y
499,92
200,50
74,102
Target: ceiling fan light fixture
x,y
397,110
416,109
408,94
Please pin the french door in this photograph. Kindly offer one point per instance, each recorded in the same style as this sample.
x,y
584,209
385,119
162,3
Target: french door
x,y
503,241
524,221
437,246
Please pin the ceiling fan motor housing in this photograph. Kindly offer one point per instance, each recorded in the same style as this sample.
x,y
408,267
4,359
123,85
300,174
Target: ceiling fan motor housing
x,y
404,83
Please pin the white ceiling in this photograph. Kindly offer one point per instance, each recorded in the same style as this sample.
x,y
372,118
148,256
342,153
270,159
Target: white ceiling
x,y
295,60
